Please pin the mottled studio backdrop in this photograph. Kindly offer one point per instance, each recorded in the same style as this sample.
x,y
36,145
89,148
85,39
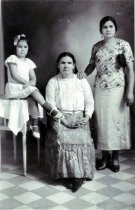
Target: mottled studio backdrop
x,y
54,26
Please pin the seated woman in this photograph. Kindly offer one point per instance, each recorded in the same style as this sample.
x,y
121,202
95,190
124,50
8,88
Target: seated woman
x,y
69,149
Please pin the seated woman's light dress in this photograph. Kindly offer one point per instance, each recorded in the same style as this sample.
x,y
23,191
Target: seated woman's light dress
x,y
69,152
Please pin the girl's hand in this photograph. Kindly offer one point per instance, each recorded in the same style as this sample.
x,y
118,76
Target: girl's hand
x,y
129,99
81,75
26,85
32,83
83,121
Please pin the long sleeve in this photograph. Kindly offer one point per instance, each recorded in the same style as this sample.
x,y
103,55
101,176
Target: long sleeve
x,y
50,92
88,98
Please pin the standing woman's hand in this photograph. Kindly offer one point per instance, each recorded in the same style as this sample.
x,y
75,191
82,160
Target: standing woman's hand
x,y
129,98
130,84
81,75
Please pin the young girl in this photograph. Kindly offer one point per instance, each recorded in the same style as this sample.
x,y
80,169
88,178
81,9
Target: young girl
x,y
22,80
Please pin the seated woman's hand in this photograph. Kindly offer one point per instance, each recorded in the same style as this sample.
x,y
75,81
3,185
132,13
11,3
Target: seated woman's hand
x,y
83,121
68,124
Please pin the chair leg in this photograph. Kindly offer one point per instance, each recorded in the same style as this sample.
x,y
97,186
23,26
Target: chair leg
x,y
0,152
38,151
15,148
24,153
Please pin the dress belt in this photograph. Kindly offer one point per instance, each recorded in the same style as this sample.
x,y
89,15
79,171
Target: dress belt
x,y
70,111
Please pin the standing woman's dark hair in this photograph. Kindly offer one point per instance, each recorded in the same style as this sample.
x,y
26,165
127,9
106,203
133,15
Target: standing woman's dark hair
x,y
64,54
104,20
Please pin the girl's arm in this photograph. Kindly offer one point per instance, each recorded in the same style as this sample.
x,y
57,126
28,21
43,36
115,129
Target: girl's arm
x,y
13,70
130,84
33,78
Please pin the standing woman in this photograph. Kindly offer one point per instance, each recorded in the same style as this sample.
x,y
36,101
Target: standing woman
x,y
113,59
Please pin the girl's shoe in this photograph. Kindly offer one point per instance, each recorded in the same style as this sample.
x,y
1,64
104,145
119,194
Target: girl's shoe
x,y
35,131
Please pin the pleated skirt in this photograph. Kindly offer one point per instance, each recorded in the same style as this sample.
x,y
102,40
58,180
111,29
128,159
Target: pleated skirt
x,y
112,119
69,153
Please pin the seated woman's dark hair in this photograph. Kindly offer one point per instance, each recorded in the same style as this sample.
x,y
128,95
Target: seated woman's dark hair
x,y
104,20
64,54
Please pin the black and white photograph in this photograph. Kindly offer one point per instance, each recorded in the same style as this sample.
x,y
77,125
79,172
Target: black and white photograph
x,y
67,105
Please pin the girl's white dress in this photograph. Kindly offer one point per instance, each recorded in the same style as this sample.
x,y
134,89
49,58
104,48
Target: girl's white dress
x,y
13,89
16,111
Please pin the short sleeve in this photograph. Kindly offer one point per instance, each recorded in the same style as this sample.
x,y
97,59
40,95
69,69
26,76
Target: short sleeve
x,y
128,52
32,65
11,59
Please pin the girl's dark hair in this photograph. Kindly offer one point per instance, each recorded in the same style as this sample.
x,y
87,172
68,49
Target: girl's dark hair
x,y
20,37
24,39
104,20
64,54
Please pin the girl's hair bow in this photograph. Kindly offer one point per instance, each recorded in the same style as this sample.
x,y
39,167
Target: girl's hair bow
x,y
17,38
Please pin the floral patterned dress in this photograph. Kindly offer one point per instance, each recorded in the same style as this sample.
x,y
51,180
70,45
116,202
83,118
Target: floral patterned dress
x,y
111,111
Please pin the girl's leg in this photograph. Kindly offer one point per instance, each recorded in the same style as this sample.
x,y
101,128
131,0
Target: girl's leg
x,y
34,114
33,108
40,99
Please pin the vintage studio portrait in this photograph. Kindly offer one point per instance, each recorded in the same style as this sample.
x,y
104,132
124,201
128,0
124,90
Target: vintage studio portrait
x,y
67,105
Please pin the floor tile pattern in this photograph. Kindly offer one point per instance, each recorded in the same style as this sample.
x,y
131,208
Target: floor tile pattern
x,y
108,190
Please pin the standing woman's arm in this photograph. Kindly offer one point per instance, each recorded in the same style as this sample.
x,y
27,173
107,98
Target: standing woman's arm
x,y
130,84
129,73
91,66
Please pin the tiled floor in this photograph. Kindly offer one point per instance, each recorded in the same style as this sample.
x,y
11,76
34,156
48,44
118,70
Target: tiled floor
x,y
108,190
